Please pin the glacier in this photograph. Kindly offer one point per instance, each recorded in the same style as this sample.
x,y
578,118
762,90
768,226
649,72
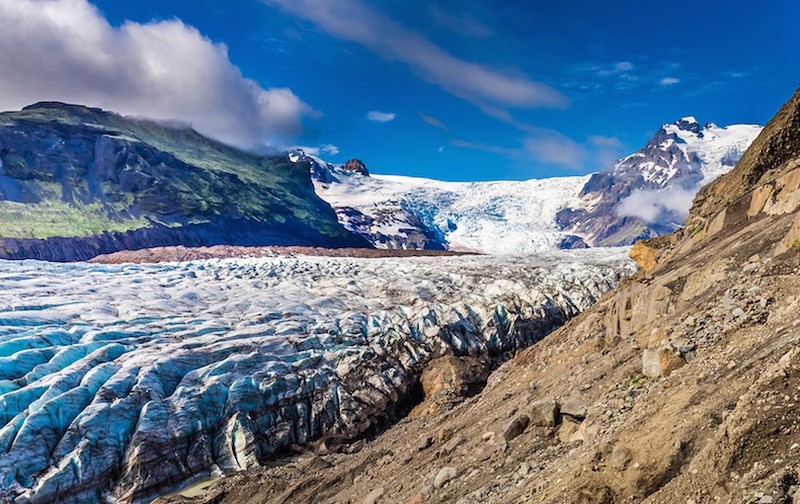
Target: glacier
x,y
119,383
533,215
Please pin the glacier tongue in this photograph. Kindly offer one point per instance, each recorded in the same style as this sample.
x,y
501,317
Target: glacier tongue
x,y
123,382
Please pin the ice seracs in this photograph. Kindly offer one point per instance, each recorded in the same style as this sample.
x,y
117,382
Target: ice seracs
x,y
119,383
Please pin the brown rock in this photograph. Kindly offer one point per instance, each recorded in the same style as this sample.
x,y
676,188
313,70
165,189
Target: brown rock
x,y
454,443
448,378
792,238
669,361
545,413
566,431
759,198
444,475
620,458
356,166
374,496
515,427
574,407
644,255
661,362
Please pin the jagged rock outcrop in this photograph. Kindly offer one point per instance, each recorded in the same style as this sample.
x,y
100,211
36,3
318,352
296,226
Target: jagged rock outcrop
x,y
123,382
356,166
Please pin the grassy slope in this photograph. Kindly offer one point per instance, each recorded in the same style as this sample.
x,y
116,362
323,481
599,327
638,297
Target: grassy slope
x,y
225,182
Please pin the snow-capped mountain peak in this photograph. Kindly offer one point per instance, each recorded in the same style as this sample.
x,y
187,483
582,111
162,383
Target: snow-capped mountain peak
x,y
643,195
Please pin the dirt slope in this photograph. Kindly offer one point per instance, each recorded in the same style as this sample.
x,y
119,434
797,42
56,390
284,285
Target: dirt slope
x,y
682,386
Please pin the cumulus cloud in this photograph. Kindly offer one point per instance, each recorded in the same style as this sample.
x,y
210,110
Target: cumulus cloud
x,y
381,117
66,50
650,204
669,81
432,121
359,22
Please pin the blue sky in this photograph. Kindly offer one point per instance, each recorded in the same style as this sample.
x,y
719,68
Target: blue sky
x,y
478,90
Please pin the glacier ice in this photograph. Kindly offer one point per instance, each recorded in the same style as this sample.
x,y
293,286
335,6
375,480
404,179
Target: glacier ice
x,y
119,383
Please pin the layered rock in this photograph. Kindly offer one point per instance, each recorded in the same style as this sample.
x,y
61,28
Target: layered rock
x,y
124,382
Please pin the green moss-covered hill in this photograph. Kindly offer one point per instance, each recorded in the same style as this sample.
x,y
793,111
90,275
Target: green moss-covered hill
x,y
76,182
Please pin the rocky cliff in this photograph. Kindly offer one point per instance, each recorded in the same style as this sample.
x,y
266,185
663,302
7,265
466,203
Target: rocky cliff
x,y
682,385
76,182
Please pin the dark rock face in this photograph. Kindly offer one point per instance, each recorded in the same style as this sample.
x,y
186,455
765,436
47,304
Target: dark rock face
x,y
356,166
132,184
240,232
392,226
412,234
571,242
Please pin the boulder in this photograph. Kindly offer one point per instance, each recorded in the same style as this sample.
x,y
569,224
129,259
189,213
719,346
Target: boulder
x,y
574,407
644,255
444,475
661,362
545,413
515,427
374,496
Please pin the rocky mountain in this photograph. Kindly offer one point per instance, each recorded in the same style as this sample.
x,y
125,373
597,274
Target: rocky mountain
x,y
648,193
78,181
681,385
645,194
124,382
490,217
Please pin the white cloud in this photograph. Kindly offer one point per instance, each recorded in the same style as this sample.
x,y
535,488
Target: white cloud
x,y
381,117
357,21
436,123
329,149
461,23
494,149
557,149
669,81
650,204
65,50
320,150
604,141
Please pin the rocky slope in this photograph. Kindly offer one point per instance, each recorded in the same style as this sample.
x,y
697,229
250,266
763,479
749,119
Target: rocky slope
x,y
681,386
645,194
77,181
119,383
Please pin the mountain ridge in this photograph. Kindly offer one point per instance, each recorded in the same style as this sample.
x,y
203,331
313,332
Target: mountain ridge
x,y
608,208
77,181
